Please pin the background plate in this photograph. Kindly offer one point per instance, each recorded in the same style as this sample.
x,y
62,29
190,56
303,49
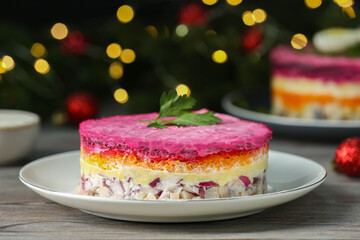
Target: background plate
x,y
56,178
316,128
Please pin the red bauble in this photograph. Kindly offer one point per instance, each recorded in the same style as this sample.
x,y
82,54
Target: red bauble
x,y
347,157
81,106
251,39
74,44
193,14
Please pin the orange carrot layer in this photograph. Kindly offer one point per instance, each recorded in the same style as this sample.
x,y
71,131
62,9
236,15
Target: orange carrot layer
x,y
297,101
222,161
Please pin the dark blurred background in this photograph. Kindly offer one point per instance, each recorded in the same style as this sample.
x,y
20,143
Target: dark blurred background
x,y
203,48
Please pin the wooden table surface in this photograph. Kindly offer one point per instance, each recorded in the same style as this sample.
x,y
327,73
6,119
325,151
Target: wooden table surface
x,y
331,211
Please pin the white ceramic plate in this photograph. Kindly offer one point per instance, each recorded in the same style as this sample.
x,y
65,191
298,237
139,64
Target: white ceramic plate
x,y
56,178
320,128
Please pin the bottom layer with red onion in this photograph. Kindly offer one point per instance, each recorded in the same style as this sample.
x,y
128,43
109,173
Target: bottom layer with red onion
x,y
128,188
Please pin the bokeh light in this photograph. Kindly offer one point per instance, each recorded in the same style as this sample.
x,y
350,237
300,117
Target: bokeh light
x,y
181,30
152,31
127,56
350,12
299,41
233,2
313,3
259,15
210,32
166,32
59,118
113,50
121,95
125,14
116,70
344,3
182,89
42,66
59,31
38,50
2,69
219,56
7,62
209,2
248,18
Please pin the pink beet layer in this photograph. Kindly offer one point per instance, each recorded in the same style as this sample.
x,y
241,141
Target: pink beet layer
x,y
128,134
294,63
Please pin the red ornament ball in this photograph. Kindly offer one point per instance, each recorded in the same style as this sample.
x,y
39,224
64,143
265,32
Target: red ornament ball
x,y
252,39
347,157
74,44
81,106
193,14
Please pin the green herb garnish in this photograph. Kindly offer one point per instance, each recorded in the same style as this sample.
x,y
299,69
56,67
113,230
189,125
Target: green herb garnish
x,y
172,105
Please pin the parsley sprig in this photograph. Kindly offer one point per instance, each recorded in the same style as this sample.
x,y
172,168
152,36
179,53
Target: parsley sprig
x,y
172,105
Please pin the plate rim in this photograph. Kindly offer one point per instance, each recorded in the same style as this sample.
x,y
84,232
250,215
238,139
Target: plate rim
x,y
140,201
227,104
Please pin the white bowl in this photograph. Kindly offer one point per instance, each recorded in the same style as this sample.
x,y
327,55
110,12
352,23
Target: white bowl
x,y
18,131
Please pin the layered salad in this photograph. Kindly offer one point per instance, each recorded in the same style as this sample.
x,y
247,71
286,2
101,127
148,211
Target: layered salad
x,y
322,82
121,157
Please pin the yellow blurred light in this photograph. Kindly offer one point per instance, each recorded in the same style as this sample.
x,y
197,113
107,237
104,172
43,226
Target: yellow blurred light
x,y
259,15
38,50
233,2
313,3
166,32
209,2
121,95
59,31
127,56
2,68
299,41
116,70
59,118
113,50
248,18
210,32
7,62
219,56
182,89
125,14
152,31
350,12
344,3
181,30
42,66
